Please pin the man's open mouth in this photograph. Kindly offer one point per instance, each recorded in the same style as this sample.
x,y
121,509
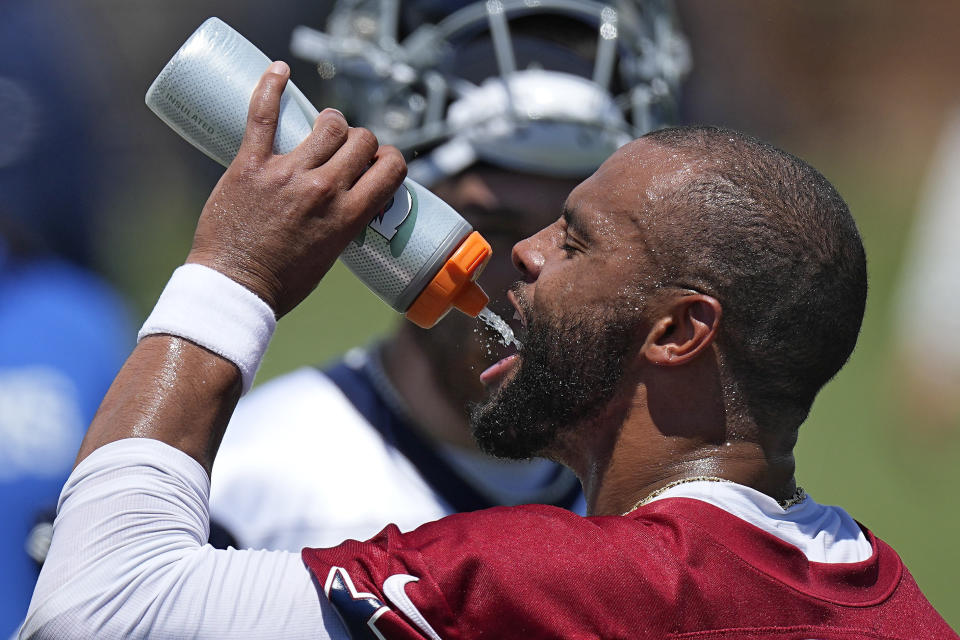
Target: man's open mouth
x,y
497,373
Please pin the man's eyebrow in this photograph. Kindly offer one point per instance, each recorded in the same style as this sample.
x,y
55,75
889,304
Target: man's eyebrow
x,y
574,220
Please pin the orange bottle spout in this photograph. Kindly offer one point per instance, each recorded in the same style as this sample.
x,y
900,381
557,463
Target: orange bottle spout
x,y
454,285
471,299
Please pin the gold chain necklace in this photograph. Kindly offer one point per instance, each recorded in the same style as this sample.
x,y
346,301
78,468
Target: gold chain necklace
x,y
798,496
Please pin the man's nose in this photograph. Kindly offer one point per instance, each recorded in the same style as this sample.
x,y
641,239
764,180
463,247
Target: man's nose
x,y
528,258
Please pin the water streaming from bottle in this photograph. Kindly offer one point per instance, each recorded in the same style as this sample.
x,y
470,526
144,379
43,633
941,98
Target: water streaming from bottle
x,y
499,325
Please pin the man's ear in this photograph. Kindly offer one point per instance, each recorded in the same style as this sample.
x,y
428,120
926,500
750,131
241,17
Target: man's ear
x,y
687,328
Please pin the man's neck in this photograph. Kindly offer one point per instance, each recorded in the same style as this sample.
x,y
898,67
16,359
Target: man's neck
x,y
625,455
741,462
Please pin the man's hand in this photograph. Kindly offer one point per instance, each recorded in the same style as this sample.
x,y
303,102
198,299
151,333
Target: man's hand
x,y
276,223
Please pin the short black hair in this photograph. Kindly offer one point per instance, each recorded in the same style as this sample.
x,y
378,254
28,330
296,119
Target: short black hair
x,y
769,237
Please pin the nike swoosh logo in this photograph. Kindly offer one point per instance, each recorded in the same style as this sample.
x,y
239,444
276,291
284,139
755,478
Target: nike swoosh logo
x,y
393,588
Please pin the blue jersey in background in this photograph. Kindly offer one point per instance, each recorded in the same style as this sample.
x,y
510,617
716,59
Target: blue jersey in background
x,y
63,337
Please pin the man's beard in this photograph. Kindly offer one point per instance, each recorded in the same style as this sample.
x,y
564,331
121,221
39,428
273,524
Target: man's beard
x,y
570,366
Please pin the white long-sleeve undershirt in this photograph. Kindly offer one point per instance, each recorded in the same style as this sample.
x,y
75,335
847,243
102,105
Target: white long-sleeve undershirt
x,y
129,557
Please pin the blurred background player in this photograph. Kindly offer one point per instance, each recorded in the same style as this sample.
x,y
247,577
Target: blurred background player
x,y
501,108
63,332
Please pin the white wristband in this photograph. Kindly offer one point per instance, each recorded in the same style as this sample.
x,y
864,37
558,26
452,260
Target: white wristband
x,y
208,308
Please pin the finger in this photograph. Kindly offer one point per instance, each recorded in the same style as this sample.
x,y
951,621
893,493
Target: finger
x,y
375,187
329,133
351,159
265,110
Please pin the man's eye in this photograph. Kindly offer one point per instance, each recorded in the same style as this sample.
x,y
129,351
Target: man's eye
x,y
569,249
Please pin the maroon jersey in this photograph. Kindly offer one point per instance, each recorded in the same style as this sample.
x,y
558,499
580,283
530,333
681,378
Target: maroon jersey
x,y
675,568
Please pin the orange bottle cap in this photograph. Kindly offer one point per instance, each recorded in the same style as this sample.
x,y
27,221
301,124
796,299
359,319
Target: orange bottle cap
x,y
454,285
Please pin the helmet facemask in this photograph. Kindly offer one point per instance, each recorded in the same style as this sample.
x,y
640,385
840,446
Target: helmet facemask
x,y
550,87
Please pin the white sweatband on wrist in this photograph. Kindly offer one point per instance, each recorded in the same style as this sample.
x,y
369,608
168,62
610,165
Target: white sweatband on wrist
x,y
208,308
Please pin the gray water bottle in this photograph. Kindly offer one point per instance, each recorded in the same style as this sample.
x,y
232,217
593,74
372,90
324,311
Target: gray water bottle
x,y
419,255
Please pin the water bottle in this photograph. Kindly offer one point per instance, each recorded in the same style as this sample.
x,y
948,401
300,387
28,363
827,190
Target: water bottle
x,y
418,255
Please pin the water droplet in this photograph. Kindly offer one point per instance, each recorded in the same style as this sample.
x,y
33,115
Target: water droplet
x,y
498,324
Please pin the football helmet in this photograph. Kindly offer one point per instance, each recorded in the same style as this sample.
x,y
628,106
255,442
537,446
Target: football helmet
x,y
550,87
